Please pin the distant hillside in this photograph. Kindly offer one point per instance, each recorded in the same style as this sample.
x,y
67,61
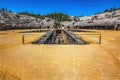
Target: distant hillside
x,y
111,20
23,20
16,21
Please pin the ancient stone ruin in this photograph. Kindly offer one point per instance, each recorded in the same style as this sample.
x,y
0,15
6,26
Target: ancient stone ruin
x,y
60,36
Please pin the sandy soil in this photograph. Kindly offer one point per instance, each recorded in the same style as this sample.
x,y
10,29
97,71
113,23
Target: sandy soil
x,y
59,62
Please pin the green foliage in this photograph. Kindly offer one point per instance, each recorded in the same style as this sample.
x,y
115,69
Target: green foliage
x,y
98,13
118,9
111,9
81,16
108,10
10,11
57,16
5,10
57,24
2,9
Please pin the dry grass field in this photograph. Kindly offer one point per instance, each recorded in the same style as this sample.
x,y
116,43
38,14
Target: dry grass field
x,y
59,62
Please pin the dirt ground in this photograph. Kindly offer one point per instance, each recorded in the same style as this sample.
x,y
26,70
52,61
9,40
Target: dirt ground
x,y
60,62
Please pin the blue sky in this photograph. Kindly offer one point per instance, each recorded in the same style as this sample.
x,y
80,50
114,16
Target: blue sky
x,y
70,7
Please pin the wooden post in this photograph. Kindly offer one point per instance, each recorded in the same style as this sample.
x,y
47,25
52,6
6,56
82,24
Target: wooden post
x,y
100,38
115,27
23,39
105,28
40,29
93,27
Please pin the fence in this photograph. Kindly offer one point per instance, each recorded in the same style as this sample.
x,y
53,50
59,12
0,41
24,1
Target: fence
x,y
99,41
23,37
100,37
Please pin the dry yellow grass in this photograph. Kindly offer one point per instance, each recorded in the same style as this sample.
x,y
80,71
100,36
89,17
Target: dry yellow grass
x,y
59,62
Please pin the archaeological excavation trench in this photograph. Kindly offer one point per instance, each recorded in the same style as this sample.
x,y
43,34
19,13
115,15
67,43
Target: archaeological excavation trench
x,y
60,36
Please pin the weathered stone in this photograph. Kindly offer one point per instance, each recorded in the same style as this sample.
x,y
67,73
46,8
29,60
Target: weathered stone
x,y
23,21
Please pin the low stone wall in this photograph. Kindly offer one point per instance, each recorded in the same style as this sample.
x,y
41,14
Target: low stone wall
x,y
60,36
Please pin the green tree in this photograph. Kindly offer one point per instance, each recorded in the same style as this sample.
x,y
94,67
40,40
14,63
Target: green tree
x,y
3,9
57,24
106,10
114,8
10,11
57,16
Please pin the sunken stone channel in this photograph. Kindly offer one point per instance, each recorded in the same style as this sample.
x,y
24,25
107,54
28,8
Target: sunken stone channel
x,y
60,36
